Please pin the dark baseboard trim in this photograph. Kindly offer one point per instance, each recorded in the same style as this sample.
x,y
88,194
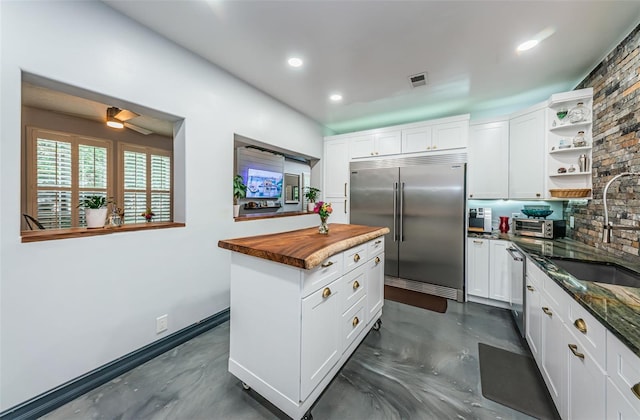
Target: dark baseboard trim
x,y
50,400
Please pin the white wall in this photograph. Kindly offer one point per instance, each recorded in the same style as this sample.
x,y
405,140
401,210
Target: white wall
x,y
58,323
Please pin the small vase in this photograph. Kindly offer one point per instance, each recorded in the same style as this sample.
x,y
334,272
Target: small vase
x,y
504,224
324,227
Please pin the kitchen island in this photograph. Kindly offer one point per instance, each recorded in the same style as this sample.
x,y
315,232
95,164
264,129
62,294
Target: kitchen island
x,y
301,302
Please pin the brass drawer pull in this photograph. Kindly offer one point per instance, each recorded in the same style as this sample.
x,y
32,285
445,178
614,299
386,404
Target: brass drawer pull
x,y
478,242
531,289
355,321
574,350
580,325
547,311
378,242
326,292
356,258
327,264
377,260
356,285
636,390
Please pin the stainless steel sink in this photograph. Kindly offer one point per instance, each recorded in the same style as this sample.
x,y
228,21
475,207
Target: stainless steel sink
x,y
598,271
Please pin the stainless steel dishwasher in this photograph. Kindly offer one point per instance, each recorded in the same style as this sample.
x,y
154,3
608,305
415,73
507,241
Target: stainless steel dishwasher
x,y
516,268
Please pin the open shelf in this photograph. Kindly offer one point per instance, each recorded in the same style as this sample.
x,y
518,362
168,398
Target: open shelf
x,y
582,125
571,174
569,150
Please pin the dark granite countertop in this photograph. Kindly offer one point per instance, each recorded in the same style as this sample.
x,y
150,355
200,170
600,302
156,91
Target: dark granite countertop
x,y
616,307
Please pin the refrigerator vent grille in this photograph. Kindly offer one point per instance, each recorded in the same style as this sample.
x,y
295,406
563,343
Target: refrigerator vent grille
x,y
451,158
428,288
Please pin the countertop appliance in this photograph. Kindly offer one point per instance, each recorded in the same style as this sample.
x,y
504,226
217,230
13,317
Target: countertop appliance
x,y
540,228
422,201
517,269
480,220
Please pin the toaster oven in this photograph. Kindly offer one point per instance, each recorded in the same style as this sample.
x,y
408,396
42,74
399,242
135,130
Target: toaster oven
x,y
540,228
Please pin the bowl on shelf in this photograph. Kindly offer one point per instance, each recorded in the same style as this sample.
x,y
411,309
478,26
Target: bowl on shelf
x,y
536,212
536,207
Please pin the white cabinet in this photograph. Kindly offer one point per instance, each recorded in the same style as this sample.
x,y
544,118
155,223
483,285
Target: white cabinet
x,y
416,139
336,168
478,267
526,155
452,133
562,154
500,274
336,178
375,286
553,351
618,407
291,330
375,144
488,273
488,160
586,387
570,347
321,340
533,314
623,369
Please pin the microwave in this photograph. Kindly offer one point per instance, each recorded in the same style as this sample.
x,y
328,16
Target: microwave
x,y
540,228
480,220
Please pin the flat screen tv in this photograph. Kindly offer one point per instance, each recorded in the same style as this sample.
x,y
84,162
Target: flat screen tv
x,y
263,184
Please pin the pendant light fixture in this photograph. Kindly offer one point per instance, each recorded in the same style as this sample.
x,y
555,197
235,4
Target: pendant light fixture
x,y
111,118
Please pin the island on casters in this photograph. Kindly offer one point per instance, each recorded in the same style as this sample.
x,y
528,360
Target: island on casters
x,y
301,302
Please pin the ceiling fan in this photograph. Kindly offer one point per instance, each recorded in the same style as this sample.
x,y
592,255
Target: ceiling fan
x,y
117,118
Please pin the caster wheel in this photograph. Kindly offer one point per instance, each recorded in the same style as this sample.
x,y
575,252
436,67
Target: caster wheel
x,y
377,324
307,416
245,386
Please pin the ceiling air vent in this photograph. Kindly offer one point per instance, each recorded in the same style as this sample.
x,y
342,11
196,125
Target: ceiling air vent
x,y
419,79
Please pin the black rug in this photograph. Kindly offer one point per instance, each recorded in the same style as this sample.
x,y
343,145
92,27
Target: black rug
x,y
513,380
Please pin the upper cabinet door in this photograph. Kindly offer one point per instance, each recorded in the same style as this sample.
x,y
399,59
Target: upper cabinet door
x,y
361,146
416,140
526,155
387,143
488,165
452,135
336,168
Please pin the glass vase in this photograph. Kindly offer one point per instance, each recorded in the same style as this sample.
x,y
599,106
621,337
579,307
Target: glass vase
x,y
324,227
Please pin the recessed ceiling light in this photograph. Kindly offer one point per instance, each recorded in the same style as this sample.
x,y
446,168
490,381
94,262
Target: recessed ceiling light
x,y
527,45
336,97
295,62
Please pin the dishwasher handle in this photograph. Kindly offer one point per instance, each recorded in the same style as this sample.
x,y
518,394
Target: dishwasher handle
x,y
513,252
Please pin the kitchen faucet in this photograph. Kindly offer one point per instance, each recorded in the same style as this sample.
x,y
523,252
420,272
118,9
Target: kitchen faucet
x,y
608,227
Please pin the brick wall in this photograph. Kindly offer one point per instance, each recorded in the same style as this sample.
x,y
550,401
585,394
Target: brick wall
x,y
616,149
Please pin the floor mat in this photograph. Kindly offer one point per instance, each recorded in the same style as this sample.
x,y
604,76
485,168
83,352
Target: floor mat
x,y
513,380
421,300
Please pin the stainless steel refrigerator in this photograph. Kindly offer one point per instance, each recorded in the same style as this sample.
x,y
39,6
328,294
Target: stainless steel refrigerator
x,y
422,202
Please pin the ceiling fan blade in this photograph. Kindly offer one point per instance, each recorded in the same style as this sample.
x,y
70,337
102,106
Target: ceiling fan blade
x,y
126,115
138,129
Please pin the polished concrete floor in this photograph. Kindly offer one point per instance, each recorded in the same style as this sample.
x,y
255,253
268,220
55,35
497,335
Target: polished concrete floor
x,y
420,365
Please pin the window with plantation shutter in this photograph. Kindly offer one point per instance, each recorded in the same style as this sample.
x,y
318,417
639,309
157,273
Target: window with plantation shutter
x,y
62,169
146,174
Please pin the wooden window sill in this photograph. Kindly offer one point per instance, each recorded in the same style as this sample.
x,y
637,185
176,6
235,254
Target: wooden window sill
x,y
54,234
258,216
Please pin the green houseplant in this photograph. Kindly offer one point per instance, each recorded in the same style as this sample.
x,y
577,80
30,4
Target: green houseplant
x,y
239,191
311,194
95,210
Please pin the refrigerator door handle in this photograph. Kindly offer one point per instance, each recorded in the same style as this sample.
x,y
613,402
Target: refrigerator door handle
x,y
402,213
395,211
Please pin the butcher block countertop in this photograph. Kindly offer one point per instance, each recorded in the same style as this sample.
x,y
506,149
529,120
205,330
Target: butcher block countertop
x,y
304,248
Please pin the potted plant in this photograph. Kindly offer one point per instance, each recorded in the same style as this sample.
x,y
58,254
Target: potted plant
x,y
311,194
95,210
239,191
